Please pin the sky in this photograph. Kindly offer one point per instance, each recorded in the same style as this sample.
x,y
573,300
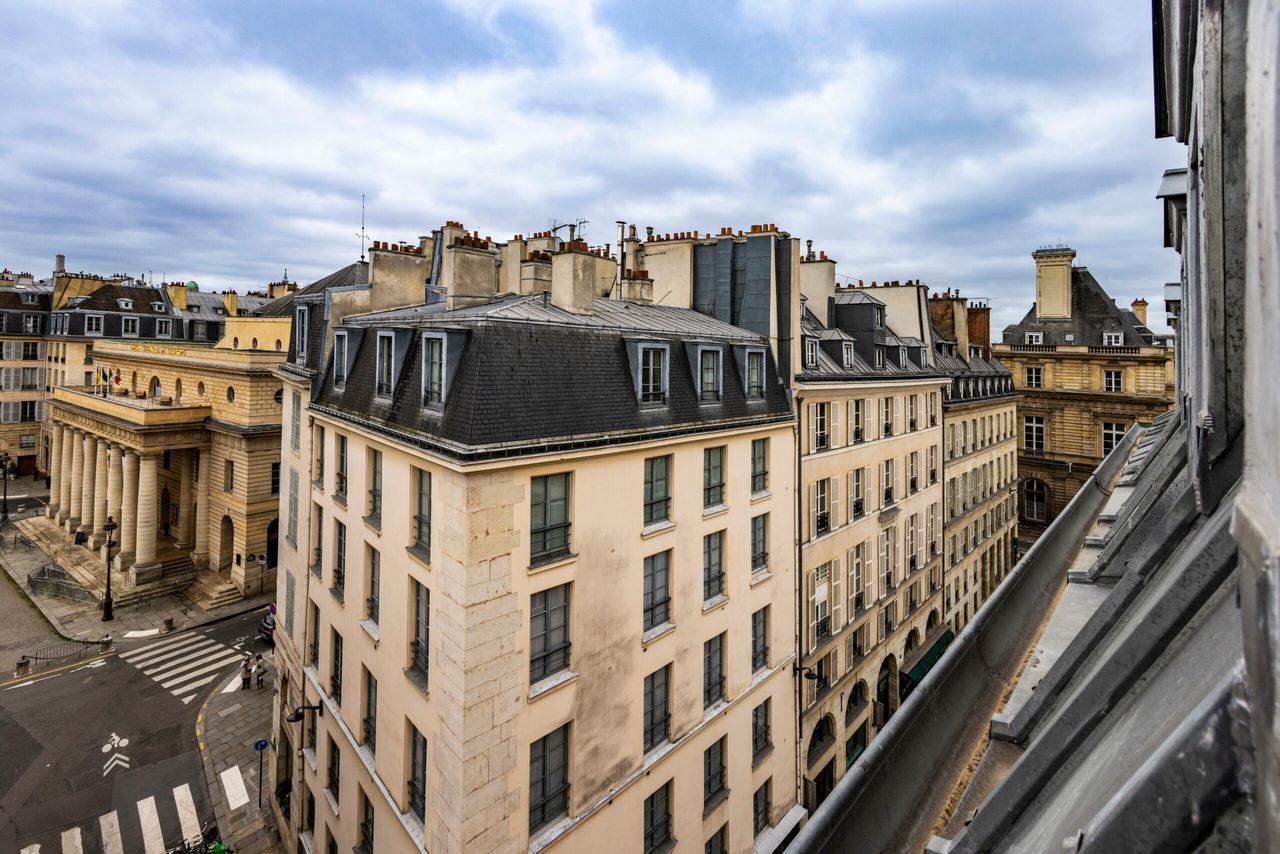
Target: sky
x,y
934,139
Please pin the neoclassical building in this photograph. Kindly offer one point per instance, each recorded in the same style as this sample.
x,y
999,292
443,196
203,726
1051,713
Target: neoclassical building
x,y
179,444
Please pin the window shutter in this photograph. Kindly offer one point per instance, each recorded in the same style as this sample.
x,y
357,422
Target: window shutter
x,y
837,610
813,427
813,510
897,415
6,376
39,410
883,543
42,351
833,487
813,609
853,494
8,350
833,418
40,378
897,480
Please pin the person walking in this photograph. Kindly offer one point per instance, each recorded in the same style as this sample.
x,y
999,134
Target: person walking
x,y
260,669
246,671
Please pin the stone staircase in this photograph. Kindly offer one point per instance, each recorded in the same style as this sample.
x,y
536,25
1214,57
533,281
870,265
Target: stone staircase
x,y
212,590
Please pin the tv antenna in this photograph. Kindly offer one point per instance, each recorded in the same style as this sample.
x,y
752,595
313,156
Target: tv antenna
x,y
363,235
576,230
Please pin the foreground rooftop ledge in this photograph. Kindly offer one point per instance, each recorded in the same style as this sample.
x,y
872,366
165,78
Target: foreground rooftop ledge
x,y
886,802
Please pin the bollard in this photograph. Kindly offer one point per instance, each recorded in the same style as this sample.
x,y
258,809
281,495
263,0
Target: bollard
x,y
168,624
24,666
105,643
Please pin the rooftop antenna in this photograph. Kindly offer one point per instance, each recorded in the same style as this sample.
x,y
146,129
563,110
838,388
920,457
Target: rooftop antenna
x,y
364,236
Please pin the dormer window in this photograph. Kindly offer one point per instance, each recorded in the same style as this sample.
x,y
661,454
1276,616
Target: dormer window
x,y
384,368
194,309
300,316
432,370
1112,339
709,375
810,353
848,354
1035,337
880,317
126,304
902,357
29,299
653,374
879,357
219,310
157,306
339,359
755,373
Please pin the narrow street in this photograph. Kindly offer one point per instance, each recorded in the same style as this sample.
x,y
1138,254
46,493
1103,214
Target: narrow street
x,y
101,755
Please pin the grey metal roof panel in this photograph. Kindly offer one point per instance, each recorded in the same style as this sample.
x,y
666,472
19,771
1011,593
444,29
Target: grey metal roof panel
x,y
854,296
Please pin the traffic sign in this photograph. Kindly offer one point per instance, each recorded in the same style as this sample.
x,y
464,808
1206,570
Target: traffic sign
x,y
260,744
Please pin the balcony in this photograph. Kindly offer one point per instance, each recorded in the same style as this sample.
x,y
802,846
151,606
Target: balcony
x,y
914,485
888,496
911,563
138,411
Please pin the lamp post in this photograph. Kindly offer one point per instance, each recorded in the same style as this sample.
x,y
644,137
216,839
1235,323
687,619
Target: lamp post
x,y
110,528
4,466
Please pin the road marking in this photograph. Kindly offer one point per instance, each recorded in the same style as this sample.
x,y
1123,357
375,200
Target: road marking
x,y
32,681
31,849
186,812
161,644
210,667
169,657
142,633
233,685
233,783
190,669
162,649
55,671
109,824
71,843
152,838
117,760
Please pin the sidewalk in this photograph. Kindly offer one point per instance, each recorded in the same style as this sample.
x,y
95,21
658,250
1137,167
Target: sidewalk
x,y
229,724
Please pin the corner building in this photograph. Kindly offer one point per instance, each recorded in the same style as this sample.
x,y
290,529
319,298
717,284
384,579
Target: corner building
x,y
537,563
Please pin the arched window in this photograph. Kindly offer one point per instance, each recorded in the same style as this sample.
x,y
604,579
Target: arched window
x,y
200,388
231,394
278,345
177,391
235,343
253,345
1035,500
824,735
154,388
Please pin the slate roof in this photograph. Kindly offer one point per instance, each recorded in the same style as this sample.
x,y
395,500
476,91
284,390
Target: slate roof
x,y
11,299
107,297
832,369
1093,312
532,375
352,274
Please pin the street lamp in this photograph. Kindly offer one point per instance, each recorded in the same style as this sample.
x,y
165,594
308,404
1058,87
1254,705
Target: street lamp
x,y
110,528
4,467
296,715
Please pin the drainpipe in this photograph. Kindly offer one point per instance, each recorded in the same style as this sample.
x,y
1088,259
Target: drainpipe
x,y
797,671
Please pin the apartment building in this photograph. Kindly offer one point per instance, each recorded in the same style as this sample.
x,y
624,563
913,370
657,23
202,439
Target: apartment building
x,y
537,566
980,456
1086,371
24,320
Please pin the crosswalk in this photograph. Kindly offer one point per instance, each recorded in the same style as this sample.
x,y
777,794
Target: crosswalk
x,y
183,665
150,827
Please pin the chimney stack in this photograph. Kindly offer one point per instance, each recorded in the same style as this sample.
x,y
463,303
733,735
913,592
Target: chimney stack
x,y
1053,281
980,326
1140,310
59,263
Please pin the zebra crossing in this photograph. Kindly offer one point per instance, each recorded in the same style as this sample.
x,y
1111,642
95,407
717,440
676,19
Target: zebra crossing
x,y
150,827
183,665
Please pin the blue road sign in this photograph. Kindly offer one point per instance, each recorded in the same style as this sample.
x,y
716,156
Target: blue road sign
x,y
260,744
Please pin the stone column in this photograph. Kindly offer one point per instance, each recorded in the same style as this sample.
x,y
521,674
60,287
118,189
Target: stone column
x,y
99,496
55,471
145,566
200,554
87,483
186,516
76,487
64,503
114,477
128,507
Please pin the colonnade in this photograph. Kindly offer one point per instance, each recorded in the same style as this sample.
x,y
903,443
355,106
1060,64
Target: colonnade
x,y
92,478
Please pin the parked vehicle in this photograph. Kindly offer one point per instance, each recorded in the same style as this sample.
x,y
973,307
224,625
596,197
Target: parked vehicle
x,y
267,628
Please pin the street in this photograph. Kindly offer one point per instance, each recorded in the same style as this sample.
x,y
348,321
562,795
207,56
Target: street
x,y
101,755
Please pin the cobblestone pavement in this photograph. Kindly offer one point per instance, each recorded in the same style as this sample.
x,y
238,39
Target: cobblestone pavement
x,y
23,629
230,722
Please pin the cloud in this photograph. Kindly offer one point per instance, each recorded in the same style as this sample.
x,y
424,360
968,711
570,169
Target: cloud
x,y
908,140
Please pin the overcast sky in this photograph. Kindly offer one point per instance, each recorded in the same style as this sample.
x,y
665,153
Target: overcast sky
x,y
931,139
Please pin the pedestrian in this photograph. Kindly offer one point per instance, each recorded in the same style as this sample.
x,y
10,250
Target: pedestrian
x,y
260,668
246,671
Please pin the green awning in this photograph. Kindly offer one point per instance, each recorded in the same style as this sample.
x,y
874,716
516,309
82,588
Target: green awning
x,y
916,674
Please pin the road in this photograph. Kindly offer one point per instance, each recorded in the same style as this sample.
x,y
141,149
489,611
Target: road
x,y
101,755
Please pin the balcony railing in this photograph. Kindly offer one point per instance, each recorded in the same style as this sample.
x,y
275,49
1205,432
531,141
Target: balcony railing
x,y
911,423
759,560
824,628
820,441
911,563
914,485
857,507
857,434
656,732
335,688
886,429
824,522
888,496
418,656
371,609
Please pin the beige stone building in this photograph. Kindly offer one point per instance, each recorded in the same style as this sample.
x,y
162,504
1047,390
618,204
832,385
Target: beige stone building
x,y
179,445
24,320
1085,371
538,568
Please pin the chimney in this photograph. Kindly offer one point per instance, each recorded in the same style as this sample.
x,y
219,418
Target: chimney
x,y
1053,281
1139,307
573,280
941,315
275,290
177,295
980,326
59,263
229,302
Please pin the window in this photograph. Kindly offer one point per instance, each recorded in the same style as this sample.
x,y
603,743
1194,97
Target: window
x,y
820,436
384,363
713,477
129,327
1112,339
419,660
847,351
549,517
760,639
1113,380
713,773
713,671
760,736
761,804
854,747
653,374
657,490
275,478
339,359
810,353
29,410
313,648
375,584
340,477
759,465
760,542
365,845
719,841
821,508
432,371
198,332
755,373
28,298
657,819
164,328
228,475
375,484
93,324
855,421
1033,433
299,331
422,513
333,779
339,559
335,667
30,379
709,375
548,632
656,715
1035,377
1035,337
549,778
30,351
879,357
1034,501
417,773
657,590
1112,433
